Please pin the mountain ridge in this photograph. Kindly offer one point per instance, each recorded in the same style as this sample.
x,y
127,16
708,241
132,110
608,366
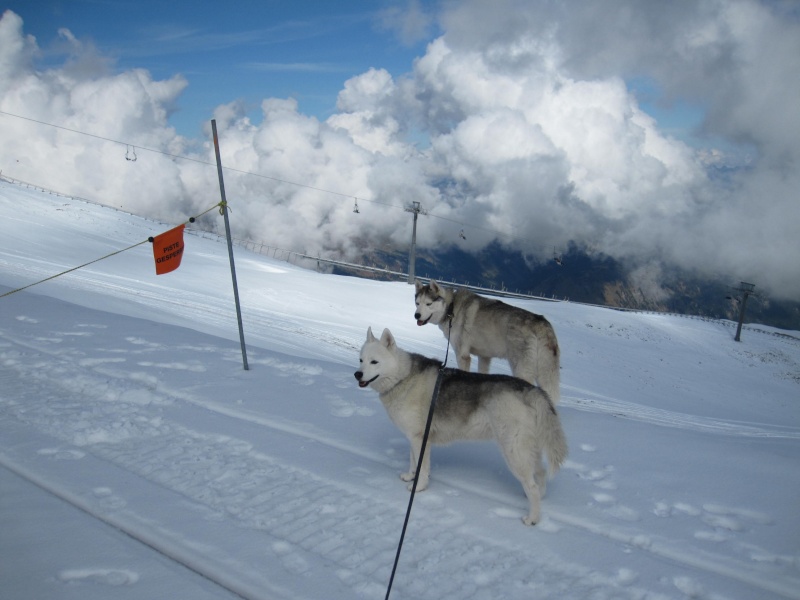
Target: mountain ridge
x,y
593,278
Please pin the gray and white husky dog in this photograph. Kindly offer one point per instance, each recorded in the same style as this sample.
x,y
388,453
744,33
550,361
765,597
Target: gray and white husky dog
x,y
491,328
470,406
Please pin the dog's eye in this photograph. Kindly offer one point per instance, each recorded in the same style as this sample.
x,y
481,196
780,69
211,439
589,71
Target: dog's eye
x,y
373,362
428,303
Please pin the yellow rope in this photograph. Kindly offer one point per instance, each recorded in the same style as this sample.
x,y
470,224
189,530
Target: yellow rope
x,y
191,220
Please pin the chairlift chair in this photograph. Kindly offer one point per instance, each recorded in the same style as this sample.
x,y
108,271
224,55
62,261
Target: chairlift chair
x,y
556,257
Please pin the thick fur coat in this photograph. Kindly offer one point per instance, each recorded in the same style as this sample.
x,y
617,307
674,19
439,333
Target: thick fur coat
x,y
471,406
490,328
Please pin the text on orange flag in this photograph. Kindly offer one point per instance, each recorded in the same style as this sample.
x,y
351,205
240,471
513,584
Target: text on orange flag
x,y
168,250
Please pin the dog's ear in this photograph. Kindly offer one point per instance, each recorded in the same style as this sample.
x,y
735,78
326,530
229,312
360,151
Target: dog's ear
x,y
435,288
370,337
387,339
418,285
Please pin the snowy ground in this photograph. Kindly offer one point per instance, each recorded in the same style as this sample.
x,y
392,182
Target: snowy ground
x,y
138,459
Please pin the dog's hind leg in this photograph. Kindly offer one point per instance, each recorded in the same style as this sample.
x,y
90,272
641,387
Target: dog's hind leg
x,y
522,460
523,367
547,366
541,476
534,498
484,362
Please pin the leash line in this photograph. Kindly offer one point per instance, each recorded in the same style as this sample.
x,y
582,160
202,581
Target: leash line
x,y
425,436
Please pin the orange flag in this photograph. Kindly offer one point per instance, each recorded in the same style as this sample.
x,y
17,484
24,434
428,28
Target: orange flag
x,y
168,250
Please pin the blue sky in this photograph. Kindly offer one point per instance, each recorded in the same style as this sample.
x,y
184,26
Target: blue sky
x,y
234,51
249,51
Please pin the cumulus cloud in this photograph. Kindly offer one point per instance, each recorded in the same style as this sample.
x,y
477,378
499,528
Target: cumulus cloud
x,y
520,123
82,95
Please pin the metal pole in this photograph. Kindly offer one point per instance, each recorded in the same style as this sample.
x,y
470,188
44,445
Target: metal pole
x,y
412,255
746,289
741,318
224,211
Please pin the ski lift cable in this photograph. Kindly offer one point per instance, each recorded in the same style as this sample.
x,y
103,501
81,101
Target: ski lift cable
x,y
250,173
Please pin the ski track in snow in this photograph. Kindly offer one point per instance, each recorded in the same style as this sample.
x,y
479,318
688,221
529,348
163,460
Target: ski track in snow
x,y
121,415
305,512
596,403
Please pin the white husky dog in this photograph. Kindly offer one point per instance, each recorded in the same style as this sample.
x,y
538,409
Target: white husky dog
x,y
470,406
489,328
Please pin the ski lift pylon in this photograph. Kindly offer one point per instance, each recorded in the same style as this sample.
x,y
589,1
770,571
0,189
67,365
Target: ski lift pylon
x,y
355,206
130,153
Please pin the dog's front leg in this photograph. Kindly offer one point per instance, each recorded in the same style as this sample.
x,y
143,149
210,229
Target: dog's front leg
x,y
422,481
412,467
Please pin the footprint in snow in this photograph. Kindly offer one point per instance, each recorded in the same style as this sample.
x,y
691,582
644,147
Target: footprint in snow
x,y
598,477
665,509
61,454
192,366
108,499
290,559
603,498
113,577
623,513
347,408
140,342
744,513
724,519
96,362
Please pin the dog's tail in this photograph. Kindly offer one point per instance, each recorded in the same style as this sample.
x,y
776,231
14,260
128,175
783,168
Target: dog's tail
x,y
548,367
549,377
554,442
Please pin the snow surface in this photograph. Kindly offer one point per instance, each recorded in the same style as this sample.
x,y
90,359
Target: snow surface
x,y
138,459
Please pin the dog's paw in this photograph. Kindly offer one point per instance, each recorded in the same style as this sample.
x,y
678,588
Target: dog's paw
x,y
407,476
421,485
529,521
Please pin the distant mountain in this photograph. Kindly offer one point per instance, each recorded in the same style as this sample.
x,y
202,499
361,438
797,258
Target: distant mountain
x,y
594,279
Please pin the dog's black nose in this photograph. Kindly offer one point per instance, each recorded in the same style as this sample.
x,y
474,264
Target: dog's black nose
x,y
358,375
417,316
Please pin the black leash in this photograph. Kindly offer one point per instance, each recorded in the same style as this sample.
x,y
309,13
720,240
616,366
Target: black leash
x,y
421,453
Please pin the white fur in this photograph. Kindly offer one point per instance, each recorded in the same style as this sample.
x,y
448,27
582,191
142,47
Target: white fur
x,y
490,328
470,406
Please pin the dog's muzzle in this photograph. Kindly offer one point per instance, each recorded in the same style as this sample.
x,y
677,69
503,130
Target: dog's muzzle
x,y
420,322
361,383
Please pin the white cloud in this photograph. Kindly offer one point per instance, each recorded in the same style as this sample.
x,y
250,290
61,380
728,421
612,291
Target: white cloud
x,y
516,123
410,22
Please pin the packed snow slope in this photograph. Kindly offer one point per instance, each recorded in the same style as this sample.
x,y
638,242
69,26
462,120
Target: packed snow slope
x,y
139,459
